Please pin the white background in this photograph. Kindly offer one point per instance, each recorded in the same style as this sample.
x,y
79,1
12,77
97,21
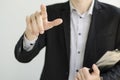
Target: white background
x,y
12,26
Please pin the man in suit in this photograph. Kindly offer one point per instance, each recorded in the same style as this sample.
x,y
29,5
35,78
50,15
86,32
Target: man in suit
x,y
76,34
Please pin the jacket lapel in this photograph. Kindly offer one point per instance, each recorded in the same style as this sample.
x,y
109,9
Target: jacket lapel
x,y
90,56
66,24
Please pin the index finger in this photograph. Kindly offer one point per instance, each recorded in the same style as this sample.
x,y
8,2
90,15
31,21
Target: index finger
x,y
43,12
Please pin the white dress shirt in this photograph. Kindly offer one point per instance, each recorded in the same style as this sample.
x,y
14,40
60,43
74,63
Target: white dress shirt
x,y
80,24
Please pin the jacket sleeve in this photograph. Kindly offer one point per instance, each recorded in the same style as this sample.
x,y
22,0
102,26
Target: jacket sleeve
x,y
26,56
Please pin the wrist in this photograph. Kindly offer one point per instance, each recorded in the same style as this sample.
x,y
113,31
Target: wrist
x,y
29,36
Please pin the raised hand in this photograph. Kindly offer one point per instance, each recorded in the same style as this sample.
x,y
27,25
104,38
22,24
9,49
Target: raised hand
x,y
84,74
38,22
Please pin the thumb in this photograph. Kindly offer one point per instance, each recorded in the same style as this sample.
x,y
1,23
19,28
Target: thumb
x,y
53,23
95,69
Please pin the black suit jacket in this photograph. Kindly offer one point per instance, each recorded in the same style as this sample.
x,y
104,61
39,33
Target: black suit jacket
x,y
104,35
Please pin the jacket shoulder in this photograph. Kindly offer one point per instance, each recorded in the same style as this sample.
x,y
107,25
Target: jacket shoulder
x,y
111,9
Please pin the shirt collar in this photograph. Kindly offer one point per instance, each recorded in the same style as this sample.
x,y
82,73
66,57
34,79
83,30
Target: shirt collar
x,y
90,10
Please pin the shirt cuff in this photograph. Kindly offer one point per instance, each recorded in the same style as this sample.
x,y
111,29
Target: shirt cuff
x,y
27,44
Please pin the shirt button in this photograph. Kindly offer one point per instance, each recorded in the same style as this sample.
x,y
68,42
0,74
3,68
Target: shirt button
x,y
78,52
31,44
79,34
77,70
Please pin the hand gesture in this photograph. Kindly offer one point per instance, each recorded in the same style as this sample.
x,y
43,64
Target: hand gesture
x,y
38,22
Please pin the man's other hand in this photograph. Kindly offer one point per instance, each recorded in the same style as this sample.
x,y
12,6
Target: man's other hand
x,y
84,74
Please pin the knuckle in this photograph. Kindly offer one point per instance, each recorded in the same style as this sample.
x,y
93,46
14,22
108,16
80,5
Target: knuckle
x,y
84,68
